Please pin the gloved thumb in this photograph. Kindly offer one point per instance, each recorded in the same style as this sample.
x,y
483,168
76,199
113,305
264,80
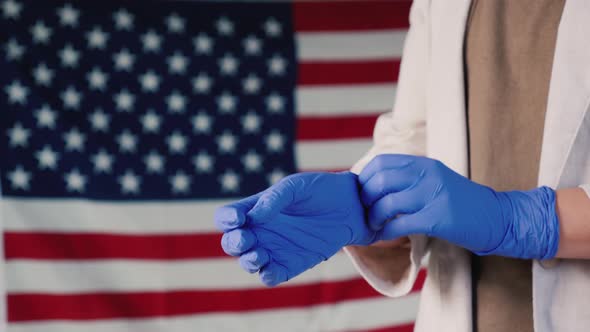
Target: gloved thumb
x,y
271,202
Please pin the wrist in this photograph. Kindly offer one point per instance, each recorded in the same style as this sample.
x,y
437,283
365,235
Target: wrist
x,y
573,210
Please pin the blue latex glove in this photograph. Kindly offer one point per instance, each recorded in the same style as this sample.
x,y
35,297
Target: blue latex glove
x,y
436,201
294,225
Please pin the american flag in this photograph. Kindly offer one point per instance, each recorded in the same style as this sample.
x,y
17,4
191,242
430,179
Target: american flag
x,y
126,123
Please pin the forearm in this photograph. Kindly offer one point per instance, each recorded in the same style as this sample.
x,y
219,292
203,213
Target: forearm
x,y
573,210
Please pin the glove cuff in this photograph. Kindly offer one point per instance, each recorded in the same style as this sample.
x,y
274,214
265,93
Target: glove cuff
x,y
532,224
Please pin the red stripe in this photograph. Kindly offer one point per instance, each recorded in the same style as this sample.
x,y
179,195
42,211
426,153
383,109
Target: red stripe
x,y
50,246
60,246
342,127
27,307
357,72
397,328
420,279
351,15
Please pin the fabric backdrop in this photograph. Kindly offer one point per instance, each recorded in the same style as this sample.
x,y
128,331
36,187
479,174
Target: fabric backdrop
x,y
125,124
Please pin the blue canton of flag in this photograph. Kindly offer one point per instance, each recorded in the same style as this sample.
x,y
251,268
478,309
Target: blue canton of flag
x,y
187,101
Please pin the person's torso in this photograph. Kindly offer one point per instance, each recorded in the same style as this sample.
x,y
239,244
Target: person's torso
x,y
559,286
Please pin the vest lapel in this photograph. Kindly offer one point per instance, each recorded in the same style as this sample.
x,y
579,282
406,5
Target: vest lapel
x,y
449,266
446,124
569,96
569,91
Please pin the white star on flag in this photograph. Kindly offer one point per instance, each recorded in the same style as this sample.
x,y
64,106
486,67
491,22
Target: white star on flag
x,y
152,42
68,15
151,122
103,162
47,158
97,38
46,117
275,142
252,45
154,162
203,162
202,123
19,178
69,56
17,93
123,19
14,50
43,75
75,140
230,181
130,183
203,44
202,83
127,142
175,23
19,136
252,161
225,27
124,101
75,181
11,9
41,32
251,122
272,27
176,102
180,183
176,142
228,64
97,79
226,142
99,120
124,60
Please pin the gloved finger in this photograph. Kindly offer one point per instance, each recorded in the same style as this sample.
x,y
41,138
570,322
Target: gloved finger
x,y
389,206
233,215
273,274
272,201
255,259
417,223
388,181
385,161
238,241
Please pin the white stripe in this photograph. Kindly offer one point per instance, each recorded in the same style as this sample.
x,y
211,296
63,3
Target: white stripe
x,y
330,154
314,46
345,100
351,315
137,275
75,215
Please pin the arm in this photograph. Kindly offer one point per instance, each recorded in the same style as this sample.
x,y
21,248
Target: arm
x,y
391,266
573,210
415,195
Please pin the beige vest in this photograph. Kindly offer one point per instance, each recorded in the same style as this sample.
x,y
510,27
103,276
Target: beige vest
x,y
509,48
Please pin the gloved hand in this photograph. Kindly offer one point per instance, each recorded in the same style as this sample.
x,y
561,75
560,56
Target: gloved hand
x,y
434,200
292,226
